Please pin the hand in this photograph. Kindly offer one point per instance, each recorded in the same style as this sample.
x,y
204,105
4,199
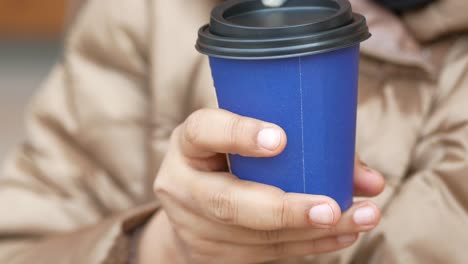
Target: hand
x,y
209,214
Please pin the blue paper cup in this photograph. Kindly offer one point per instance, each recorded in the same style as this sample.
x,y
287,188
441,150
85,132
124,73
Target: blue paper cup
x,y
308,88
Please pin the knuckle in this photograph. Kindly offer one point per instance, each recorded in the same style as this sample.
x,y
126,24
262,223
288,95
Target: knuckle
x,y
234,130
268,235
332,230
191,131
165,183
164,189
160,188
224,207
284,216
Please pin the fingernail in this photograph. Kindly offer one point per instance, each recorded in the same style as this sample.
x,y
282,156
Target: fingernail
x,y
364,216
269,138
321,214
346,239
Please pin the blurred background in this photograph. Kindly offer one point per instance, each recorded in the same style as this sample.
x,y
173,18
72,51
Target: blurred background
x,y
31,33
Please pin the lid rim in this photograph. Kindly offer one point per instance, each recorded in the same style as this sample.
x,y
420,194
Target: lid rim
x,y
359,22
270,54
263,45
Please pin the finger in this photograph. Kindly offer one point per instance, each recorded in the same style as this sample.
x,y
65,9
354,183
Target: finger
x,y
330,240
259,254
296,249
367,182
361,217
228,200
210,131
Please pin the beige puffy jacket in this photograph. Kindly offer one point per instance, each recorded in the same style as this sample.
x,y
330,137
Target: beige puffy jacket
x,y
80,184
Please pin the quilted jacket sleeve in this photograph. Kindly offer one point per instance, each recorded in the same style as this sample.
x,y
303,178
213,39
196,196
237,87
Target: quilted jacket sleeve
x,y
73,191
426,219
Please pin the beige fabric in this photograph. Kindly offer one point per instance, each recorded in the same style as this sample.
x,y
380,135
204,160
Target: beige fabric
x,y
98,129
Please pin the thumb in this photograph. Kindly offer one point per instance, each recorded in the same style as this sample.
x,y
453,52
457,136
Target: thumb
x,y
210,131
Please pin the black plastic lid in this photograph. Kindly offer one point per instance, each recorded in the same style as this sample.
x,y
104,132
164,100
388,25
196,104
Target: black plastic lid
x,y
246,29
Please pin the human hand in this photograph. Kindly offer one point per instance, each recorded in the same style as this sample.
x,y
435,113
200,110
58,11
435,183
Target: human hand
x,y
209,214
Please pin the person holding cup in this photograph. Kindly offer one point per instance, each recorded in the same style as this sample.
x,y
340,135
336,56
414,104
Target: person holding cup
x,y
131,111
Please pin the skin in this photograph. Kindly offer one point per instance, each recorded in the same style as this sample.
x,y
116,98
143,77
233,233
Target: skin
x,y
210,215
